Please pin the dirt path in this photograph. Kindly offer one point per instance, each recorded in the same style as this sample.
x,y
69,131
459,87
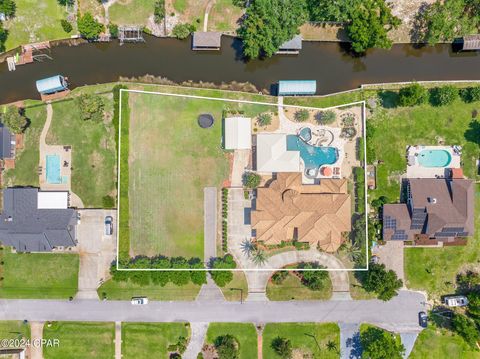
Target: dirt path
x,y
118,340
207,11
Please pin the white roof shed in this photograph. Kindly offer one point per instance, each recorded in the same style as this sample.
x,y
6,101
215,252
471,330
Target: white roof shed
x,y
273,156
238,133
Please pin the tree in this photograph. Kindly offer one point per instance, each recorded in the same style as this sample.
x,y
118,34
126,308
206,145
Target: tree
x,y
224,276
313,279
159,11
113,30
270,23
380,201
468,281
466,328
445,95
197,277
182,277
226,346
259,257
141,278
325,117
264,119
160,277
91,107
252,180
66,26
3,37
302,115
88,27
380,344
412,95
371,20
182,31
283,347
248,247
14,119
470,94
8,7
335,10
474,305
66,2
382,282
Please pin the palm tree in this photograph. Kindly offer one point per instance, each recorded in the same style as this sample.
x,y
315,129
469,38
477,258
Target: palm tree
x,y
331,346
259,257
248,247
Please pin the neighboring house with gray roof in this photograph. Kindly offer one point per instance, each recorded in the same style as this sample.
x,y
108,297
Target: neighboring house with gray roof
x,y
440,209
7,143
32,226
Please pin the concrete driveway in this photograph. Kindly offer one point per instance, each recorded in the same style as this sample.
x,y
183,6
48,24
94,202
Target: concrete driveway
x,y
97,251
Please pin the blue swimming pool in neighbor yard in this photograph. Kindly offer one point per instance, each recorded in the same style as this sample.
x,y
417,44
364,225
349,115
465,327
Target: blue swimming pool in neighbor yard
x,y
312,156
434,158
53,170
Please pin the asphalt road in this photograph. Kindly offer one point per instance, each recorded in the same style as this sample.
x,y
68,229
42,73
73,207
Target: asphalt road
x,y
400,314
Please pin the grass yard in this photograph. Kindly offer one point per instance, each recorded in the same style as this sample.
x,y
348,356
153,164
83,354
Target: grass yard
x,y
224,16
435,269
94,7
35,20
93,151
293,289
231,291
27,159
131,12
80,340
441,343
13,329
171,159
150,340
127,290
39,275
300,335
245,334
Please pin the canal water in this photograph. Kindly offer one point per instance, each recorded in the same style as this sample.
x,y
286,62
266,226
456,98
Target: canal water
x,y
328,63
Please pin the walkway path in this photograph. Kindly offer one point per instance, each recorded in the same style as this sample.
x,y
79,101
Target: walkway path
x,y
118,340
197,338
210,291
36,333
210,223
350,347
408,341
207,11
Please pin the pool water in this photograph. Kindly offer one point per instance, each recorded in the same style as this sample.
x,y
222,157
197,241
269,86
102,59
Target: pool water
x,y
312,156
434,158
53,170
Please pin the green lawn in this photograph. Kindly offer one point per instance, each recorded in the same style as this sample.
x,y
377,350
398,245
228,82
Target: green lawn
x,y
435,269
180,5
231,290
131,12
245,334
80,340
93,151
441,343
39,275
27,160
150,340
293,289
35,20
127,290
300,335
13,329
171,160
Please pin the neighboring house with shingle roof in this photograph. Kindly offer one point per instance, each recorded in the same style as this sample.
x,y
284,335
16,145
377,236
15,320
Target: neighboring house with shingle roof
x,y
32,226
7,143
286,210
441,209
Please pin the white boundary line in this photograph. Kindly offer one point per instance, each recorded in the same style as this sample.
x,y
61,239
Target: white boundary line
x,y
364,123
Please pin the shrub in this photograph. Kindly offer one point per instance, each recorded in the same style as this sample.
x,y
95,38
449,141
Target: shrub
x,y
14,119
223,277
301,115
313,279
91,107
251,180
283,347
445,95
66,26
108,202
466,328
182,31
88,27
226,346
325,117
113,30
412,95
379,344
382,282
159,11
470,94
264,119
279,277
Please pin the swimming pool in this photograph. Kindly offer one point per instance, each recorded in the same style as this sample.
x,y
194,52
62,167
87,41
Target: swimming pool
x,y
312,156
52,171
434,158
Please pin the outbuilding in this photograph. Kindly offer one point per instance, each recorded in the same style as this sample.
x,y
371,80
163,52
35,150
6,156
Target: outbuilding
x,y
51,85
292,46
471,42
206,40
238,133
297,87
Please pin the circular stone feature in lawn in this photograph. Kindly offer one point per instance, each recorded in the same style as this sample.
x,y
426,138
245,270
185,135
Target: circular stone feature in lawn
x,y
205,120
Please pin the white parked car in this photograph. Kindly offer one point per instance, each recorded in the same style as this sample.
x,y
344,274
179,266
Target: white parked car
x,y
456,301
139,301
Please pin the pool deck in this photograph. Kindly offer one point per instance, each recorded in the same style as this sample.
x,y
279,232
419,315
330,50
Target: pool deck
x,y
415,170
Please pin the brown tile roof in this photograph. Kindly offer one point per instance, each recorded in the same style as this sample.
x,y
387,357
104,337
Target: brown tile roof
x,y
318,214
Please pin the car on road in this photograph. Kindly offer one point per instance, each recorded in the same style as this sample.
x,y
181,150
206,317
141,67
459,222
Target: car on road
x,y
455,301
139,301
108,225
422,319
